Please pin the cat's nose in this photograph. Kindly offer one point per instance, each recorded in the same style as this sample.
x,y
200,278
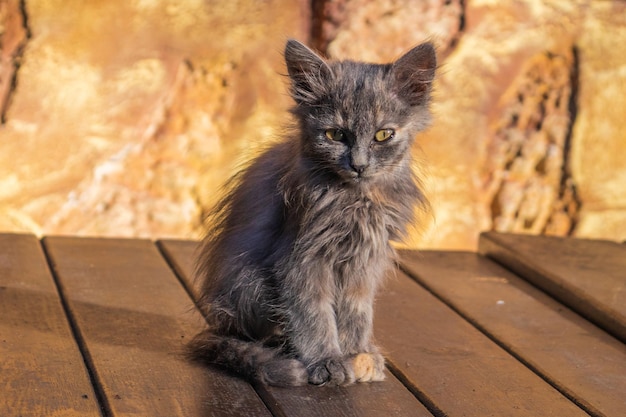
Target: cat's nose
x,y
359,168
358,159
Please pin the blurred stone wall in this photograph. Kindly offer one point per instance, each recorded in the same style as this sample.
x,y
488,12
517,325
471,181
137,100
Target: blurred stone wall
x,y
124,117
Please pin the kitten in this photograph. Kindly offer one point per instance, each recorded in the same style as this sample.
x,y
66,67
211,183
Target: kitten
x,y
300,243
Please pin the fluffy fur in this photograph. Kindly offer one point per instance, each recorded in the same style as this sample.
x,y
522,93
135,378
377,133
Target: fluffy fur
x,y
301,241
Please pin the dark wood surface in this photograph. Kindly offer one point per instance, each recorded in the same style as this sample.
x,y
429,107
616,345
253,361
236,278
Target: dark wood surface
x,y
589,277
42,372
559,345
134,318
97,327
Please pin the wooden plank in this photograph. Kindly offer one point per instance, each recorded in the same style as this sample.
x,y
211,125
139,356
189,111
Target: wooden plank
x,y
134,317
181,255
388,398
581,360
42,372
454,367
589,276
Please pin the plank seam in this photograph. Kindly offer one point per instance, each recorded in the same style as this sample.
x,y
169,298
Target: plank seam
x,y
413,389
268,399
94,378
178,273
563,293
562,390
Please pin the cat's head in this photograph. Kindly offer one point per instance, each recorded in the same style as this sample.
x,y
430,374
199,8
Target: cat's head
x,y
358,120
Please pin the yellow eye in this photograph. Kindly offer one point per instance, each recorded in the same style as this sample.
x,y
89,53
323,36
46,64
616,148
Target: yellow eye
x,y
335,134
384,134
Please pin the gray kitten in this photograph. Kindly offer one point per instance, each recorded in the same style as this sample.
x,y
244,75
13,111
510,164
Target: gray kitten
x,y
300,243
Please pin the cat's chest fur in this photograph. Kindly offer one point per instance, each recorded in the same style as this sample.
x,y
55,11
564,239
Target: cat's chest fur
x,y
345,226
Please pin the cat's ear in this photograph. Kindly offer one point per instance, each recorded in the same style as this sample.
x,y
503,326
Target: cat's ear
x,y
414,72
308,72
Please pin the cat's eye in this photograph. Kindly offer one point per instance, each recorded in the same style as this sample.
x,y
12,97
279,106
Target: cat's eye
x,y
384,134
336,135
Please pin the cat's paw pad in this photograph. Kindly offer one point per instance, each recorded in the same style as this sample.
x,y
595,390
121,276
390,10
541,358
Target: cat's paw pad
x,y
368,367
331,372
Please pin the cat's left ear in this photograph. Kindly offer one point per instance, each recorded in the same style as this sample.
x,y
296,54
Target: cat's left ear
x,y
414,72
309,73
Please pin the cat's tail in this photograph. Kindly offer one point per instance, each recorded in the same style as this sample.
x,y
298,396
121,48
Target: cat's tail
x,y
252,360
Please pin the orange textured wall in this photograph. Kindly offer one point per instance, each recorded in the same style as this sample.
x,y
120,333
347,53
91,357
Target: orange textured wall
x,y
124,117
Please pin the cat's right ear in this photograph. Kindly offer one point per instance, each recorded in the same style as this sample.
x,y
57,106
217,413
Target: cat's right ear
x,y
309,73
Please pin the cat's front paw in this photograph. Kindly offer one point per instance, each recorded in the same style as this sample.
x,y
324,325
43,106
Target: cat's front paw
x,y
368,367
331,371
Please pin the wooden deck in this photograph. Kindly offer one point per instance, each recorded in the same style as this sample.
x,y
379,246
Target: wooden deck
x,y
531,326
